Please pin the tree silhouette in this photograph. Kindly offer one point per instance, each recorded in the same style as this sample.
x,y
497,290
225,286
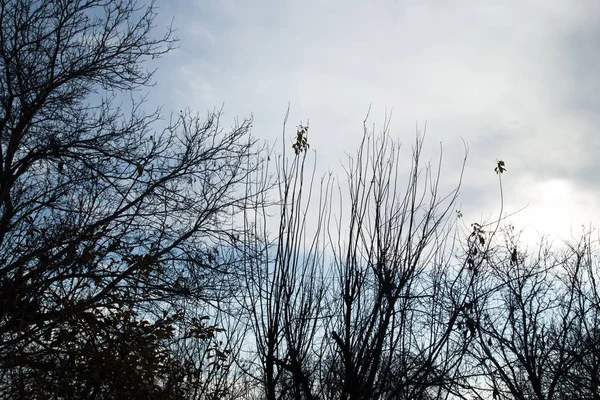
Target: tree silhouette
x,y
103,218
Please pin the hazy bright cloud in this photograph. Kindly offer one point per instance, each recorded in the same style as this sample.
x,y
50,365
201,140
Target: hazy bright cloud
x,y
516,80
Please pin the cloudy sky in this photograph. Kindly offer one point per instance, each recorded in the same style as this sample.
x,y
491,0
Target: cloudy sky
x,y
518,81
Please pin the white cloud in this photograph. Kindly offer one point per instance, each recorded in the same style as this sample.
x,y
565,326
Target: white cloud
x,y
516,79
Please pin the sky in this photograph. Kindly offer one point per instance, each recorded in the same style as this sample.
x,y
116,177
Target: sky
x,y
517,81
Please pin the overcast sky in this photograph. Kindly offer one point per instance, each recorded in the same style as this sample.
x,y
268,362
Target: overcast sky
x,y
518,81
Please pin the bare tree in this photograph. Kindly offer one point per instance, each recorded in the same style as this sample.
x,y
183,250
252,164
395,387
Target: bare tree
x,y
582,345
535,324
362,306
393,323
104,220
284,293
